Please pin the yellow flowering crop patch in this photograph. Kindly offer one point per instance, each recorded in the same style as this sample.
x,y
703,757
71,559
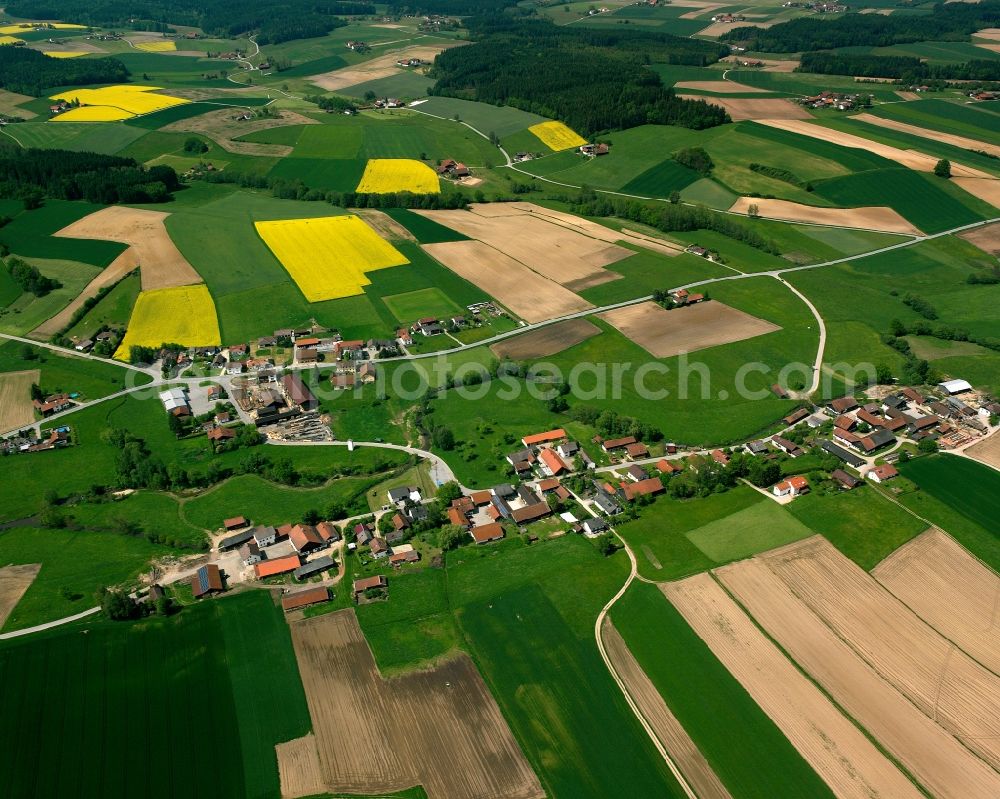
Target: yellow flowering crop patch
x,y
556,136
64,53
328,257
180,315
93,113
4,39
27,27
156,47
132,100
386,175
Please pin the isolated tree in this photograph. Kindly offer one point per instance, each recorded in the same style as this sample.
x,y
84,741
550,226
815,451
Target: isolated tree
x,y
119,606
943,168
606,544
753,211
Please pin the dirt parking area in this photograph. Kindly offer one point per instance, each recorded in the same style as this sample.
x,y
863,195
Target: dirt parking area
x,y
664,334
224,125
548,246
837,750
14,581
912,159
941,680
546,341
935,758
948,588
668,729
16,410
526,293
866,218
987,239
438,728
161,263
740,109
379,67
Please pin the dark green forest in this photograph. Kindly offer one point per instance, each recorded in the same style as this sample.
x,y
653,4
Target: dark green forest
x,y
66,175
909,70
593,80
276,22
951,22
32,72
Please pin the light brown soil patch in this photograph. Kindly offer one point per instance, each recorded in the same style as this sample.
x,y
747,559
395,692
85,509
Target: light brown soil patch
x,y
986,189
379,67
14,581
987,451
907,95
651,243
779,66
702,9
988,33
721,86
936,135
866,218
112,273
161,263
941,680
223,127
949,589
545,341
9,102
384,225
991,46
16,410
837,750
438,728
908,158
719,28
937,760
668,729
740,109
299,769
526,293
543,244
664,334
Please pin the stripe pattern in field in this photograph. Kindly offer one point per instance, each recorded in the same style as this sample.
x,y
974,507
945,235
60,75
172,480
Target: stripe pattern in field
x,y
439,728
838,751
926,749
329,257
16,409
950,590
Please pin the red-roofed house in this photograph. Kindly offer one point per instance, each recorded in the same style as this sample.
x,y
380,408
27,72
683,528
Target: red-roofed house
x,y
270,568
544,438
720,457
647,487
637,450
881,474
793,486
305,538
669,467
551,463
485,533
236,523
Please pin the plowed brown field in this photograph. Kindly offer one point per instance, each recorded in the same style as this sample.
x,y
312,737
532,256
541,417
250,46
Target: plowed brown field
x,y
14,581
546,341
439,728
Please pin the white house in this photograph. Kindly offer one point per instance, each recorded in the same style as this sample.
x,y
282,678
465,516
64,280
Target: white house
x,y
793,486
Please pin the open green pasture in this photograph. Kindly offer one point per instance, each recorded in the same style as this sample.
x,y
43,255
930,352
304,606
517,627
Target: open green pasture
x,y
112,309
67,373
29,235
107,138
501,120
947,117
743,746
803,83
212,669
761,527
28,311
413,305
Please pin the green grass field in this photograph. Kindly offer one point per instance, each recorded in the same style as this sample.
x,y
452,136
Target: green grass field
x,y
30,235
425,230
167,691
65,373
28,311
503,121
862,524
742,745
156,515
930,203
108,138
413,305
660,180
114,308
661,535
760,527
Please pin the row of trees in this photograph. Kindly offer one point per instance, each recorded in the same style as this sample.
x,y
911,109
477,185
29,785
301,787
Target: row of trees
x,y
32,72
675,217
68,175
951,22
592,80
903,68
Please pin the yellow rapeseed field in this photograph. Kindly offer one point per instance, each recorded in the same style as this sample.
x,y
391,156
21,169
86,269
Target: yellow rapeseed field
x,y
164,46
27,27
93,113
4,39
556,136
328,257
385,175
180,315
64,53
126,99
